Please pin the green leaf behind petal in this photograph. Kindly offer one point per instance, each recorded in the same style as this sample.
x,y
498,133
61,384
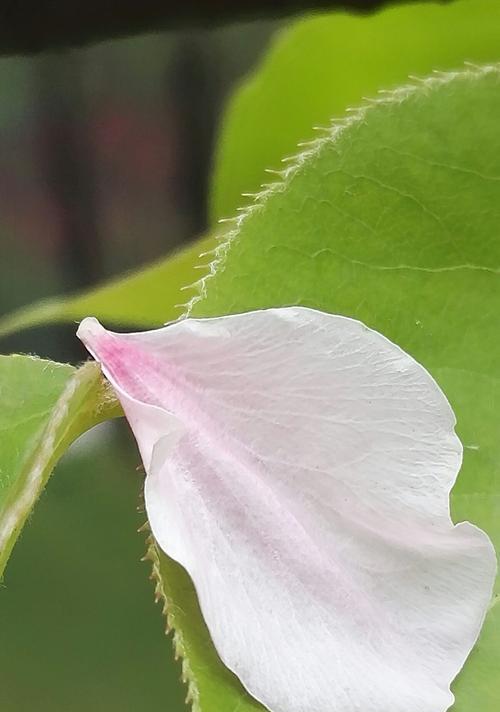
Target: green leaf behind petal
x,y
392,218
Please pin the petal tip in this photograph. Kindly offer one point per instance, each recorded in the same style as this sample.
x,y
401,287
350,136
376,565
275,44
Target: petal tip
x,y
89,329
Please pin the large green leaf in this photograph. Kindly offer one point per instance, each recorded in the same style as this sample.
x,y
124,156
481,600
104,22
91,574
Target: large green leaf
x,y
322,65
45,406
392,218
147,298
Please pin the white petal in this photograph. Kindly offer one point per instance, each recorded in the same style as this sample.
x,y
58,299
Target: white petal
x,y
299,467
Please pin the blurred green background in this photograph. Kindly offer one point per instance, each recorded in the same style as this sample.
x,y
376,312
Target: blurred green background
x,y
104,158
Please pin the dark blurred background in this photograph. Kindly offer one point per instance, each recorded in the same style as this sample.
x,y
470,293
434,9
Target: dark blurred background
x,y
105,154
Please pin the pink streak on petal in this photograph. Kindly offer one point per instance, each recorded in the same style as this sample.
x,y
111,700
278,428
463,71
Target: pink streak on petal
x,y
138,373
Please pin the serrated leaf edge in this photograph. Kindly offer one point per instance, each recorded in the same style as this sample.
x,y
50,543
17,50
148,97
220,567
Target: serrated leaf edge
x,y
188,676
